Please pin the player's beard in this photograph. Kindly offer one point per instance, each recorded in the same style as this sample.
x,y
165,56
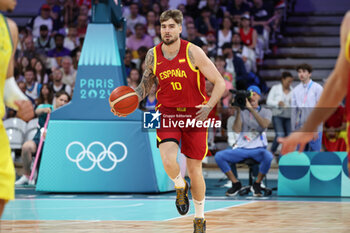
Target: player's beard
x,y
169,42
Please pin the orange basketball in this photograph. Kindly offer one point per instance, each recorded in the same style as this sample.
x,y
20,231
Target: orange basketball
x,y
123,100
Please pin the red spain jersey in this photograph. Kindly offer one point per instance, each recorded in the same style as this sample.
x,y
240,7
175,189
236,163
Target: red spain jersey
x,y
180,84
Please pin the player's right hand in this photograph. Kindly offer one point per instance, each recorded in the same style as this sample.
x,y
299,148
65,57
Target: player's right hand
x,y
25,110
299,138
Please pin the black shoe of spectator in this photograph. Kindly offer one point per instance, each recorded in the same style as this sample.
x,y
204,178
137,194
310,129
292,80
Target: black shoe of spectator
x,y
234,190
256,190
182,203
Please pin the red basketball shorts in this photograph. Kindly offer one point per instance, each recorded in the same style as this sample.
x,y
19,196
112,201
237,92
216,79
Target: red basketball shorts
x,y
178,125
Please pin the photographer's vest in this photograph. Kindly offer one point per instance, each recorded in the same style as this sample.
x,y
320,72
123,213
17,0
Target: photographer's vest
x,y
180,84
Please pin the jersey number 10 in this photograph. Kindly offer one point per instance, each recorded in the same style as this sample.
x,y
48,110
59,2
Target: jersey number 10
x,y
176,86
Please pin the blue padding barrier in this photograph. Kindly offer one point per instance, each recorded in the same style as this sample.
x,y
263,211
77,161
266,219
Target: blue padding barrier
x,y
314,174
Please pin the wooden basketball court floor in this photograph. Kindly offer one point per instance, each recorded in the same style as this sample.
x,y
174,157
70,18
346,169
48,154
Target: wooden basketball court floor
x,y
157,213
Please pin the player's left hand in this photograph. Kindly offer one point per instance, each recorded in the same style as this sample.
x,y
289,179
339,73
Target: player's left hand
x,y
203,112
25,110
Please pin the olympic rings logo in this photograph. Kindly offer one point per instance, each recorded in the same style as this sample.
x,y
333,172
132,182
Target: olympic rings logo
x,y
91,156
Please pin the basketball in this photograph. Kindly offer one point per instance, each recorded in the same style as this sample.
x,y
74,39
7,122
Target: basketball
x,y
123,100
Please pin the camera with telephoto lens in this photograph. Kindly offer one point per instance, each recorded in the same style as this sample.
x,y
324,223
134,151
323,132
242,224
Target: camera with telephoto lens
x,y
240,98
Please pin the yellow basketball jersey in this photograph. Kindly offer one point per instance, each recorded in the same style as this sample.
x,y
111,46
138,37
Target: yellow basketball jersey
x,y
6,49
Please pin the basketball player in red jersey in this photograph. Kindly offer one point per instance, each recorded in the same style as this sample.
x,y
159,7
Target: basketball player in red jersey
x,y
180,68
336,88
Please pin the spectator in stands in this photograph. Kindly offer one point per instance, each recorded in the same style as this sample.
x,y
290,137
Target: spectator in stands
x,y
70,12
129,64
134,78
248,55
247,33
205,22
157,38
181,7
57,84
32,86
23,87
229,58
29,148
232,136
84,9
279,98
174,4
79,48
134,42
238,70
156,10
144,6
238,7
334,131
149,103
46,95
40,71
251,124
55,15
217,9
304,98
151,24
23,65
211,42
29,48
133,18
220,64
262,15
71,40
82,24
141,55
33,61
42,19
225,32
59,51
68,71
164,5
44,42
192,8
192,35
22,34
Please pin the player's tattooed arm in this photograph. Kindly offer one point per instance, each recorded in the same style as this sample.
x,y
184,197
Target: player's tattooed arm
x,y
190,55
148,77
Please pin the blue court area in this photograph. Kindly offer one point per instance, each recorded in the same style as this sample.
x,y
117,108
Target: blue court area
x,y
102,209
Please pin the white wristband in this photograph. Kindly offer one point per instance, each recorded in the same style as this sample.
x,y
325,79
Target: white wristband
x,y
12,93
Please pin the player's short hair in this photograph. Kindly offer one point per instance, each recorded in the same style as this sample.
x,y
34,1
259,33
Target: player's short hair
x,y
286,74
305,66
176,15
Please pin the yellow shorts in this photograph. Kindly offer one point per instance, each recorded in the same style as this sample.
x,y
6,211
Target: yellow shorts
x,y
7,170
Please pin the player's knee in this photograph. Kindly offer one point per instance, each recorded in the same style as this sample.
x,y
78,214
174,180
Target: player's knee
x,y
168,163
194,172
